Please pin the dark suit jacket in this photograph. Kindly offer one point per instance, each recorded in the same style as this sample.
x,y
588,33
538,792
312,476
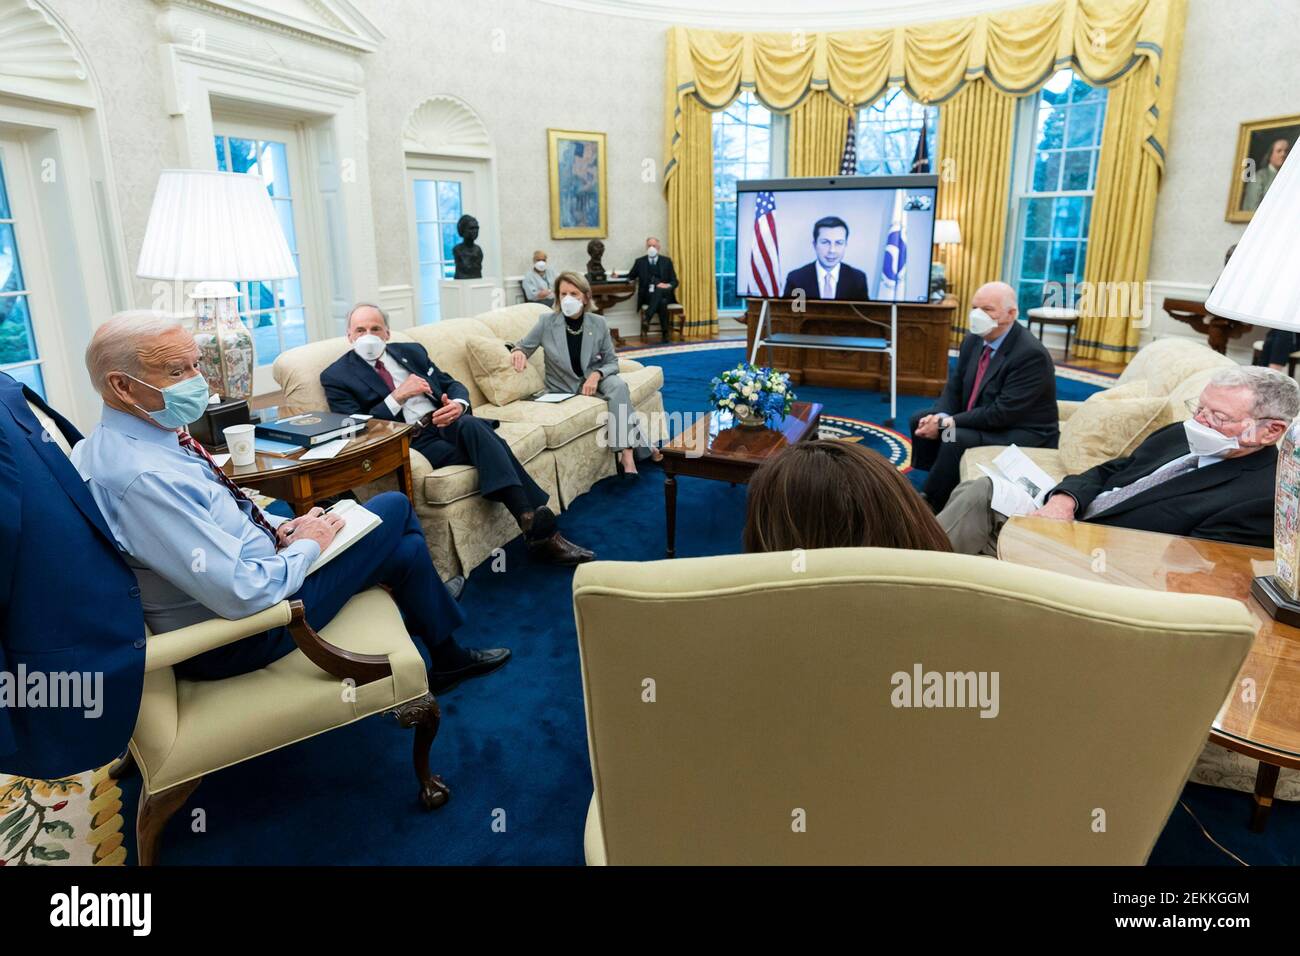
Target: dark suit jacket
x,y
68,601
352,386
1018,389
647,276
851,285
1229,501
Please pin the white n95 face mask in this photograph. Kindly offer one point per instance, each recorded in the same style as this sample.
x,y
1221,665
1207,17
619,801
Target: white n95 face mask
x,y
540,265
1204,441
652,252
369,347
981,323
570,305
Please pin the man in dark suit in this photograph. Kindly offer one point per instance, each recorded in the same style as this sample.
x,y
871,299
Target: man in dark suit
x,y
1211,476
1002,392
398,381
656,284
70,612
828,276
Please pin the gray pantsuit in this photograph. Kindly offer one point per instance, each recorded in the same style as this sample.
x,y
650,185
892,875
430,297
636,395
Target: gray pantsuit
x,y
597,356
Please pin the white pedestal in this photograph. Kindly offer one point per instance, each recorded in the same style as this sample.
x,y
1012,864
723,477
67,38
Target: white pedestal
x,y
464,298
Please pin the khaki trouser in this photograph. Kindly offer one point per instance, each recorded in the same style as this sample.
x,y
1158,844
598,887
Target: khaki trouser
x,y
969,520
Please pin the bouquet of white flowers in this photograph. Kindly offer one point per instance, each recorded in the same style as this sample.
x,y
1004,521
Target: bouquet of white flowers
x,y
755,396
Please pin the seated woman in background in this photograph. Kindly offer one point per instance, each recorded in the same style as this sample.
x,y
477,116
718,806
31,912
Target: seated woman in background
x,y
580,359
836,494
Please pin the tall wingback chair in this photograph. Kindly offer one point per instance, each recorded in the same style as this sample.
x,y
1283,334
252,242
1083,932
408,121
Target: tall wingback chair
x,y
364,662
743,709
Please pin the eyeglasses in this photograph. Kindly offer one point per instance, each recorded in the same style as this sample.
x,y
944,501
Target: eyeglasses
x,y
1216,419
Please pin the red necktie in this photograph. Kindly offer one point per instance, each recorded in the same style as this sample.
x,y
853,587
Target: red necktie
x,y
386,375
188,442
979,375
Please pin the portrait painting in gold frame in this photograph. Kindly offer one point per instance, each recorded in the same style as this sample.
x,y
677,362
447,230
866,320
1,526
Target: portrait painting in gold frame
x,y
1262,147
579,200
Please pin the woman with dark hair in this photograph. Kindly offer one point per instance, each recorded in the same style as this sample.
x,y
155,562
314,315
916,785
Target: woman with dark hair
x,y
836,494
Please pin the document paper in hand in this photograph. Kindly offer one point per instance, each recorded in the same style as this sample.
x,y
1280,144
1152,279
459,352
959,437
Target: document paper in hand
x,y
1019,485
357,522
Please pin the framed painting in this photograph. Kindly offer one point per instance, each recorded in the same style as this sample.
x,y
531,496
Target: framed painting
x,y
579,201
1262,147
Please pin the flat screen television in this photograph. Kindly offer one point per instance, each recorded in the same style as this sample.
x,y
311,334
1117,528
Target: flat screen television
x,y
852,238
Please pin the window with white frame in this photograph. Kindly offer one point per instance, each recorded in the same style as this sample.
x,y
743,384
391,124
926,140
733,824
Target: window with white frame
x,y
274,310
19,355
888,131
1058,144
439,204
742,149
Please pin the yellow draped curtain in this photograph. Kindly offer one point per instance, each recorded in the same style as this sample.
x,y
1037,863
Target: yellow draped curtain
x,y
690,223
819,127
974,155
1130,43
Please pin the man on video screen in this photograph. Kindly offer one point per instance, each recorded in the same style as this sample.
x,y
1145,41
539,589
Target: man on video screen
x,y
828,277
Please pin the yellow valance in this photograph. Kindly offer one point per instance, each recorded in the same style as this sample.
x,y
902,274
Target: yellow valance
x,y
1016,50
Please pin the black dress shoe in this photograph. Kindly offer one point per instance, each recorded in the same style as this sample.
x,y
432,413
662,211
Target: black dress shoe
x,y
455,586
480,662
557,549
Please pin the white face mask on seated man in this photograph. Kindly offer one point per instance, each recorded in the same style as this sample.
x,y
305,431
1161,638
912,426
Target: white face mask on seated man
x,y
369,347
981,323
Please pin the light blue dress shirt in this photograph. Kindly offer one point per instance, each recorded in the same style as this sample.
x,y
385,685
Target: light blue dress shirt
x,y
193,545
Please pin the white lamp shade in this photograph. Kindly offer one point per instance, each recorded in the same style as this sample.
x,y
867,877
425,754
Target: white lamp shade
x,y
1261,282
213,226
946,232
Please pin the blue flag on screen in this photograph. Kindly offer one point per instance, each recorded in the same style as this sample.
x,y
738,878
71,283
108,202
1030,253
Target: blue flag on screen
x,y
893,268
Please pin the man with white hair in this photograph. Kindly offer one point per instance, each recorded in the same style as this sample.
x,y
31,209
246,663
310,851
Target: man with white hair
x,y
1208,477
1003,392
200,548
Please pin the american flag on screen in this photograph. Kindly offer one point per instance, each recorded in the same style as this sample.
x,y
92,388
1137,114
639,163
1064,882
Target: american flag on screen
x,y
893,269
765,256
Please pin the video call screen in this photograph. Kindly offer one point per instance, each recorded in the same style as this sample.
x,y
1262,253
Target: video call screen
x,y
874,237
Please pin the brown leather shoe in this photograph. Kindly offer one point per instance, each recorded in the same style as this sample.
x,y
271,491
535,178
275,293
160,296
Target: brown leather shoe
x,y
557,549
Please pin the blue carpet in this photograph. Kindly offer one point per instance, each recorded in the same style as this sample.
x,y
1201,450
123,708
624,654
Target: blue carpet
x,y
513,746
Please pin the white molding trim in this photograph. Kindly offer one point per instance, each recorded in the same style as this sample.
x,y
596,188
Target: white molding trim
x,y
38,59
810,15
446,126
1164,327
398,303
338,23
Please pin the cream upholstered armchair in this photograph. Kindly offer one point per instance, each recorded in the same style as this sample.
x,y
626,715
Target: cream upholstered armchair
x,y
364,662
754,716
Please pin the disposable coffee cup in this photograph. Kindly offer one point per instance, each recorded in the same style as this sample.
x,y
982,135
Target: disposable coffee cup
x,y
239,442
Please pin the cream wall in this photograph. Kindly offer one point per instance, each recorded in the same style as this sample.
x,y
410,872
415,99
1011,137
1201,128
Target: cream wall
x,y
1238,64
522,66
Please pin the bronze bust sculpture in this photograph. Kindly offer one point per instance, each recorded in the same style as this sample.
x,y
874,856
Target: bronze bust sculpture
x,y
595,270
468,255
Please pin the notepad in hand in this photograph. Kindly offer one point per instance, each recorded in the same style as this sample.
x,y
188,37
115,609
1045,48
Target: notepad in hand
x,y
357,523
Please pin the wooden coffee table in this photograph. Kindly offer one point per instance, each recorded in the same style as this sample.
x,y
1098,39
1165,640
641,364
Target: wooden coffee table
x,y
723,452
1267,727
382,448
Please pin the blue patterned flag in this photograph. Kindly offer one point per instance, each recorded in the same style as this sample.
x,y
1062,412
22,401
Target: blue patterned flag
x,y
893,268
921,158
849,161
765,256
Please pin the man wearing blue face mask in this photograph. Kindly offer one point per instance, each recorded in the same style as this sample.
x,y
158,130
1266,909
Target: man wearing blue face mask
x,y
200,548
1210,476
1003,392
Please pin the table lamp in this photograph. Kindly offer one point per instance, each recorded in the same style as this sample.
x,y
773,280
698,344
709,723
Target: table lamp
x,y
1261,285
216,229
946,233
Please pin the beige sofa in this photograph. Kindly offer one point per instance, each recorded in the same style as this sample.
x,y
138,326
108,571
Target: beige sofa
x,y
559,444
1172,369
723,729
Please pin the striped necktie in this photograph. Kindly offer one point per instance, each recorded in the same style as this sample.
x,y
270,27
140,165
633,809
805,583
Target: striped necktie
x,y
1109,499
188,442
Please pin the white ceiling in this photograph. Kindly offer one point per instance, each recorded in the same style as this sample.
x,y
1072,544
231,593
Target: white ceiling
x,y
784,14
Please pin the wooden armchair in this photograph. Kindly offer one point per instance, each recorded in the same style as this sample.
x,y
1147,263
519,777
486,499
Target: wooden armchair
x,y
363,663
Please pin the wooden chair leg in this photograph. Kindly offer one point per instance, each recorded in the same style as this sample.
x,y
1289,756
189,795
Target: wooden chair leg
x,y
1069,331
423,713
1265,784
154,812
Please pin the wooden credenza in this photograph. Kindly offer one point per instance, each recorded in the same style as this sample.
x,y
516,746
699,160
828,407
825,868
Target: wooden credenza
x,y
924,331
